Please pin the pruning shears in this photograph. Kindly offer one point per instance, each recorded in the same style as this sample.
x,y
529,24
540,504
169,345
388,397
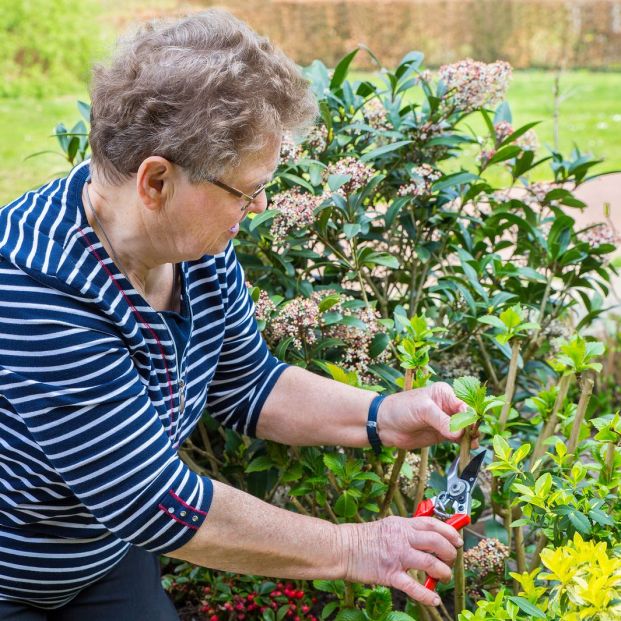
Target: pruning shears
x,y
454,504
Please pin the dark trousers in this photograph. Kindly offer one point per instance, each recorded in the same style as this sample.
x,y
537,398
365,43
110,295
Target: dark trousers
x,y
132,591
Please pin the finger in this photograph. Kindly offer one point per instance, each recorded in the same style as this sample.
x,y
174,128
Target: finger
x,y
428,563
440,421
444,395
435,543
415,590
438,526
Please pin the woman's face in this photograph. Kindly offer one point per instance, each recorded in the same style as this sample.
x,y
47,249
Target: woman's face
x,y
205,217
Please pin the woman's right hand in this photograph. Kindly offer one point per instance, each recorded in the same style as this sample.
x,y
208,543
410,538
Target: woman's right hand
x,y
383,552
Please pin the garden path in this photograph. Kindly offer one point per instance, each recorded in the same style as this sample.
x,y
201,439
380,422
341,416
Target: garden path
x,y
596,194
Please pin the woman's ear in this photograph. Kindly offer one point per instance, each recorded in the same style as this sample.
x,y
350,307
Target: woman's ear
x,y
152,180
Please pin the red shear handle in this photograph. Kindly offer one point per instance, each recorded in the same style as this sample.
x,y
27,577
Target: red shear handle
x,y
457,521
425,509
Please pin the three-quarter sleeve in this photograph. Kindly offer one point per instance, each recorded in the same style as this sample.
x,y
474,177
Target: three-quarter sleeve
x,y
246,371
83,403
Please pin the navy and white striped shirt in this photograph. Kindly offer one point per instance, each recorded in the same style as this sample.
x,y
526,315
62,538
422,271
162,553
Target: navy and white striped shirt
x,y
90,411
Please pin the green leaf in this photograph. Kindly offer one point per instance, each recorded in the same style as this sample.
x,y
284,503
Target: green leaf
x,y
492,321
340,72
259,464
328,609
351,230
383,258
501,447
580,522
85,110
398,615
334,464
379,344
378,603
336,181
297,180
328,586
346,506
506,153
450,181
370,155
523,604
350,614
463,419
328,302
258,219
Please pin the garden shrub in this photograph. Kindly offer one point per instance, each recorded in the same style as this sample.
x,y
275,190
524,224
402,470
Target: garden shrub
x,y
382,266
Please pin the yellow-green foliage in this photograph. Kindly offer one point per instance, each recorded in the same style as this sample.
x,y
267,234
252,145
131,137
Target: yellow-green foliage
x,y
46,47
582,583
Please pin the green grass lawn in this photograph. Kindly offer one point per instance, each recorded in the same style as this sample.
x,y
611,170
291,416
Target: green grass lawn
x,y
26,126
590,117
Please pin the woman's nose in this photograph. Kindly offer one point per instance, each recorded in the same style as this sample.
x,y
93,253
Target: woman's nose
x,y
259,204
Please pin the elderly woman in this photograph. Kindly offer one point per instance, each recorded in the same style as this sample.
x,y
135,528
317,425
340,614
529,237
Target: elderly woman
x,y
124,314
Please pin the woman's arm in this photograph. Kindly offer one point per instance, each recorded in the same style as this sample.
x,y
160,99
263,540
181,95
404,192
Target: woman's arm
x,y
244,534
307,409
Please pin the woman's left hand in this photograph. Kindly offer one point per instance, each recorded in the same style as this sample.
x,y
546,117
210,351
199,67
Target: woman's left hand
x,y
419,417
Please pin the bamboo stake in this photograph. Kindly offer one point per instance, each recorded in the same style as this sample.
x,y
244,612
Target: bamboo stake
x,y
459,571
550,425
520,552
535,560
586,386
510,389
610,459
423,469
489,367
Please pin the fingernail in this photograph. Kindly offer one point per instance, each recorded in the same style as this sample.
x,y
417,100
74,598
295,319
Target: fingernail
x,y
436,601
460,542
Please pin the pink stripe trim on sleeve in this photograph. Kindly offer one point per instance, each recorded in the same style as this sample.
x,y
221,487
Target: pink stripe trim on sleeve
x,y
185,504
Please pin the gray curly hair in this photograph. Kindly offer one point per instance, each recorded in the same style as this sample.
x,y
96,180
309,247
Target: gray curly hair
x,y
204,92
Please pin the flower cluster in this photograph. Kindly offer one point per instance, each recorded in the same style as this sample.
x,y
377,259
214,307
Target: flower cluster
x,y
451,365
527,141
358,172
487,557
298,319
294,209
317,139
356,356
301,320
289,149
375,114
485,156
408,485
502,130
472,85
537,192
423,177
264,308
600,234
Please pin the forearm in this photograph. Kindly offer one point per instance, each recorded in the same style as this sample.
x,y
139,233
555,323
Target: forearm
x,y
307,409
243,534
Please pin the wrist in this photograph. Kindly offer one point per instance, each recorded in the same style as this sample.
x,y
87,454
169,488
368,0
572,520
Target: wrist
x,y
348,542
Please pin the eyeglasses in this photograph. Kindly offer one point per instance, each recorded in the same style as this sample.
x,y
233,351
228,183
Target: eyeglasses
x,y
249,198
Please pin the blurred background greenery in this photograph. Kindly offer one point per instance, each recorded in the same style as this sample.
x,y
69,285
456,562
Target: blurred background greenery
x,y
47,49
